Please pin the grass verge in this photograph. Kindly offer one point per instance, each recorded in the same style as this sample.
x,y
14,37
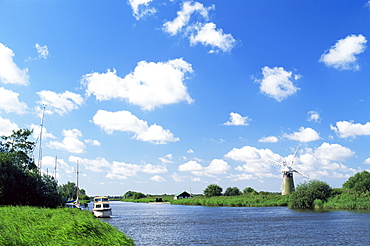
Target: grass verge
x,y
62,226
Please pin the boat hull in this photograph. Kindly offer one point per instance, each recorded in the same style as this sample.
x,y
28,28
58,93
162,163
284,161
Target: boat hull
x,y
104,213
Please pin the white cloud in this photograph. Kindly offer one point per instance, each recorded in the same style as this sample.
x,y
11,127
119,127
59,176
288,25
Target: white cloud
x,y
9,102
208,34
60,103
318,163
333,152
141,8
62,166
241,176
166,158
199,32
120,170
346,129
304,135
177,178
127,122
42,51
313,116
270,139
278,83
93,142
95,165
367,161
237,120
190,151
256,160
151,84
10,73
217,166
70,143
343,54
6,127
157,178
36,132
183,16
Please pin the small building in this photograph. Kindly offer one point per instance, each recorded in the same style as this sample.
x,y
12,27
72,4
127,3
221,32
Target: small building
x,y
182,195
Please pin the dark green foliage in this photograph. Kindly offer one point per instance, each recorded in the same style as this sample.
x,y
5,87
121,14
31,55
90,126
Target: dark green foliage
x,y
234,191
133,195
35,226
212,190
20,181
249,190
305,194
68,190
360,182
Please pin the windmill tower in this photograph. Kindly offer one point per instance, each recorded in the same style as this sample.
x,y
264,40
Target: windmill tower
x,y
287,187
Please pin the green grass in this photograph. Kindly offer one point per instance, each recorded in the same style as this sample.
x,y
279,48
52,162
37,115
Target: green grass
x,y
62,226
236,201
349,200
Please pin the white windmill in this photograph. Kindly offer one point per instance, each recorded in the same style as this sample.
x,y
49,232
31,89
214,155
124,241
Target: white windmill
x,y
287,186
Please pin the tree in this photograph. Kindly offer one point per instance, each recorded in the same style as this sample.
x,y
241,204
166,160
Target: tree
x,y
212,190
133,195
20,181
68,190
305,194
249,190
360,182
232,191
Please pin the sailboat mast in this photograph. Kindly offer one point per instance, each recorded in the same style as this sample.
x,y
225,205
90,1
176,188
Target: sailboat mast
x,y
55,167
77,182
40,150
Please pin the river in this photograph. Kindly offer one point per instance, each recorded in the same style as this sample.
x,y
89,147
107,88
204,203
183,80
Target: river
x,y
165,224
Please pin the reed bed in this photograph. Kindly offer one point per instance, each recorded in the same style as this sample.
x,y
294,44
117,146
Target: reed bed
x,y
62,226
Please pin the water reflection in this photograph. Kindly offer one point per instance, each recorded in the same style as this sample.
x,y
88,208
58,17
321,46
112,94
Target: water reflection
x,y
153,224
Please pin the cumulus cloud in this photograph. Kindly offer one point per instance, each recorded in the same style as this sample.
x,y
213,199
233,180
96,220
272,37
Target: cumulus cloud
x,y
313,116
343,54
93,142
70,143
204,33
141,8
120,170
158,178
237,120
166,158
42,51
183,16
217,166
10,73
126,122
60,103
208,34
278,83
345,129
324,161
304,135
98,164
269,139
9,102
6,127
61,165
37,129
150,85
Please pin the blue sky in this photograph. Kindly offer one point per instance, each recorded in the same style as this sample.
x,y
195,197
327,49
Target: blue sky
x,y
164,96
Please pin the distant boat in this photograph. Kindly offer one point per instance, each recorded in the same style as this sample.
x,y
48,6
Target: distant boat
x,y
101,208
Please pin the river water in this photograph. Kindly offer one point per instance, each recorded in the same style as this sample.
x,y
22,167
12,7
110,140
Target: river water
x,y
165,224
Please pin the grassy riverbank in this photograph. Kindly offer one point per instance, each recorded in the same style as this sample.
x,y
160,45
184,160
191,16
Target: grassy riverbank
x,y
42,226
237,201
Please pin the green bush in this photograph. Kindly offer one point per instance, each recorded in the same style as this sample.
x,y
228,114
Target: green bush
x,y
305,194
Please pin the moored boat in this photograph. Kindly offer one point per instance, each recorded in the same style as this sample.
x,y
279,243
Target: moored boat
x,y
101,207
